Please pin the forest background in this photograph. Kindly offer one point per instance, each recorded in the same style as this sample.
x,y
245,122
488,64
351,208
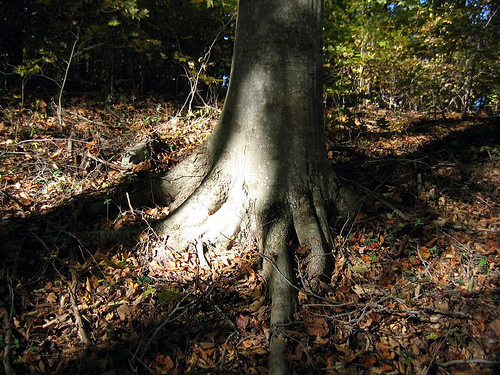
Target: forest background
x,y
411,98
425,56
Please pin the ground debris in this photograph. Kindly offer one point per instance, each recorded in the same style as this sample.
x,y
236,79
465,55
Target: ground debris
x,y
414,288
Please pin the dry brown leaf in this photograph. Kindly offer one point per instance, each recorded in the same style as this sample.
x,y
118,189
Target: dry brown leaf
x,y
317,327
369,360
495,326
124,311
301,250
255,305
242,322
382,369
424,252
366,323
51,298
302,297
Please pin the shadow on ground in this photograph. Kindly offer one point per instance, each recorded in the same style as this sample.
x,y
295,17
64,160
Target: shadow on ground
x,y
387,303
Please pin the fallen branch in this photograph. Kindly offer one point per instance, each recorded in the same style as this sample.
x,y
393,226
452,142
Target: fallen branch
x,y
7,360
74,303
173,315
7,365
386,203
468,361
13,198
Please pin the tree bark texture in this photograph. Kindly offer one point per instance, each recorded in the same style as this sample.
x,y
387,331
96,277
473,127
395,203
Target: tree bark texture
x,y
264,176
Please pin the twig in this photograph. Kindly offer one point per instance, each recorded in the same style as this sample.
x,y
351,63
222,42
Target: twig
x,y
65,77
78,316
194,78
36,140
434,355
455,314
21,204
129,203
170,318
106,163
382,200
7,316
7,365
467,361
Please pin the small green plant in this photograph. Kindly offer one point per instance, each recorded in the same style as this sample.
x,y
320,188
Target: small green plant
x,y
104,282
406,356
15,345
150,290
33,347
418,223
432,336
484,265
144,280
110,332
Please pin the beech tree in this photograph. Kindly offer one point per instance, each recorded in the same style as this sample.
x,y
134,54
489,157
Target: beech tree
x,y
264,175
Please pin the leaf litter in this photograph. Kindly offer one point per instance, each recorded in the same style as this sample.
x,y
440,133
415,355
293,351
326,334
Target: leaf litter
x,y
414,288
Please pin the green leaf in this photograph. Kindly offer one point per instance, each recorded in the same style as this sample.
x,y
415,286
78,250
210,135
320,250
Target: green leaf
x,y
148,291
114,22
168,295
432,336
360,268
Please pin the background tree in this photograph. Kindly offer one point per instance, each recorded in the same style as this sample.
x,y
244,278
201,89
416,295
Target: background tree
x,y
411,55
428,56
125,46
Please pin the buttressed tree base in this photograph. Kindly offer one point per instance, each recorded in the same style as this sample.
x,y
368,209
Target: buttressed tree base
x,y
264,175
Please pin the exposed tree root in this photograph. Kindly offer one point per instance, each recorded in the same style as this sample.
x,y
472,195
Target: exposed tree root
x,y
310,234
222,209
279,275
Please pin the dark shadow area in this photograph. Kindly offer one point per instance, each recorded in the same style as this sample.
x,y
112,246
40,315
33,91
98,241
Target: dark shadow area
x,y
458,149
141,313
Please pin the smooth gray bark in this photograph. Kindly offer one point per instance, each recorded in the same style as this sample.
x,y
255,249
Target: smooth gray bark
x,y
264,175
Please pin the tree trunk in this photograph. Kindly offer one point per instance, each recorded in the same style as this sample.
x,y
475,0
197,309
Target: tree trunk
x,y
471,71
263,175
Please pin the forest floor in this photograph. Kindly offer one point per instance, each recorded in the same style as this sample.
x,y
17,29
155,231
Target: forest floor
x,y
415,288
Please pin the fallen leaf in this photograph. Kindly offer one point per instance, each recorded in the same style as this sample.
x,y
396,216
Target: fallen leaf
x,y
242,322
302,297
424,252
124,311
51,298
381,370
495,326
369,361
302,250
317,327
255,305
366,323
360,268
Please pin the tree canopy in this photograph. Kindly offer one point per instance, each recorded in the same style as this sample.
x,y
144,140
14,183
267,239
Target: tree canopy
x,y
428,56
